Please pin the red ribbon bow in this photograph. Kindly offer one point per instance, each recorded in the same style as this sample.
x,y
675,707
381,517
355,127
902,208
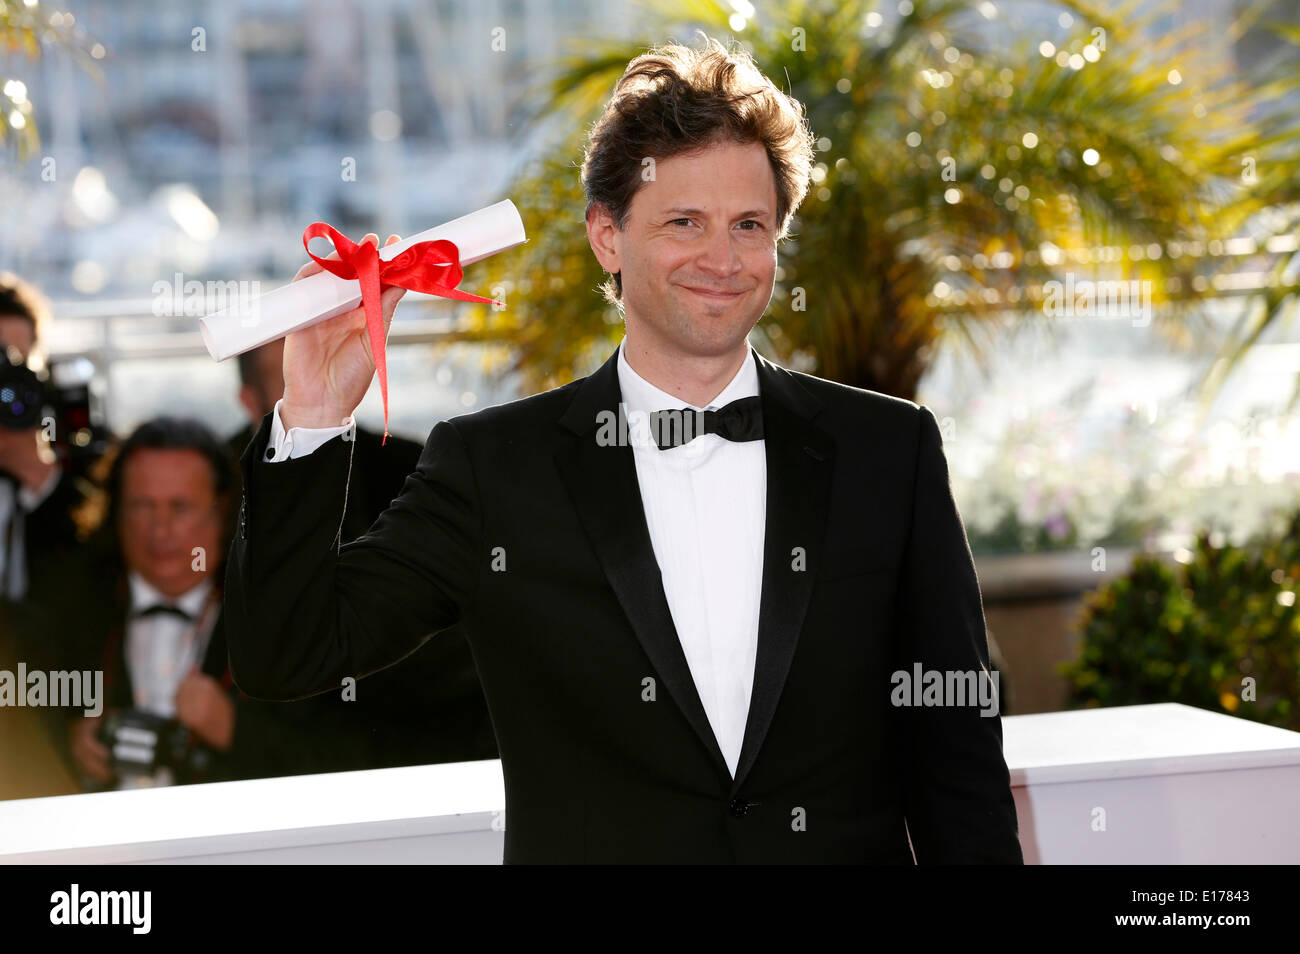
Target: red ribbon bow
x,y
429,267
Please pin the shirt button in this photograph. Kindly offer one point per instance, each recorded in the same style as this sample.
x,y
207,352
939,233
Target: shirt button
x,y
270,453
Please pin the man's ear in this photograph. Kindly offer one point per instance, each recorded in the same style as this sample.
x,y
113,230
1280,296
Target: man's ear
x,y
601,232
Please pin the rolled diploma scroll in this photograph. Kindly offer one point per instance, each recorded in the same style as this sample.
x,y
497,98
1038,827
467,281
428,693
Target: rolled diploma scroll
x,y
301,304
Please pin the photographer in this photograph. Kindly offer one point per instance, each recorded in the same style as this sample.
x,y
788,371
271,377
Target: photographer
x,y
148,613
38,493
148,607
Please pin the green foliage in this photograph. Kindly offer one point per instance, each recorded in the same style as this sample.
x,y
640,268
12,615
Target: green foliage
x,y
25,30
1198,632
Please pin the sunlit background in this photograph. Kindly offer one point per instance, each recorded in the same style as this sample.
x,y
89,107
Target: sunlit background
x,y
969,154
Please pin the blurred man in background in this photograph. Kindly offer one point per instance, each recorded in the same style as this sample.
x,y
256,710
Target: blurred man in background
x,y
148,613
154,606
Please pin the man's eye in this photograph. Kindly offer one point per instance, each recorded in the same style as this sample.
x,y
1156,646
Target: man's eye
x,y
757,225
675,221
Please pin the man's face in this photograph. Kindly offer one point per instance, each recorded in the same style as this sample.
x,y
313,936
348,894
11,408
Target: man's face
x,y
698,256
168,508
16,332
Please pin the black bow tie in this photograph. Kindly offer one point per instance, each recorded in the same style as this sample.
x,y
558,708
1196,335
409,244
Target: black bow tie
x,y
741,420
162,609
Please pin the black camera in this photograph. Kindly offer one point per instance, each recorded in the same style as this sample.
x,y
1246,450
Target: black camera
x,y
145,745
23,395
63,391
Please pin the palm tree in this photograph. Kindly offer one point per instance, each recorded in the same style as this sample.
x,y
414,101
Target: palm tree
x,y
1270,215
962,164
26,29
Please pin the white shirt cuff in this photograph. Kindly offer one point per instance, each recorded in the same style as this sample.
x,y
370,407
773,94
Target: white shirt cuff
x,y
301,441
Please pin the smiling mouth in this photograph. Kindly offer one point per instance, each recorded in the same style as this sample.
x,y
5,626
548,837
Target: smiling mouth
x,y
720,296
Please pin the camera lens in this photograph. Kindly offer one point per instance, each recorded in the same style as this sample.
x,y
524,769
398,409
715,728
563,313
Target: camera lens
x,y
22,396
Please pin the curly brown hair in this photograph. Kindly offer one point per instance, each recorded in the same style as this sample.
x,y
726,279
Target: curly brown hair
x,y
674,99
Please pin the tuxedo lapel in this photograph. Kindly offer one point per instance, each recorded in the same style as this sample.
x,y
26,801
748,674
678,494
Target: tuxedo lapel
x,y
603,484
800,458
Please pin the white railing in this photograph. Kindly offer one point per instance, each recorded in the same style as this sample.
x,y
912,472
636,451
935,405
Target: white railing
x,y
1156,784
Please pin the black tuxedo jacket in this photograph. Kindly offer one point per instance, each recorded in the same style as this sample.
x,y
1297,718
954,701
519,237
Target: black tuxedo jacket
x,y
378,470
431,708
522,526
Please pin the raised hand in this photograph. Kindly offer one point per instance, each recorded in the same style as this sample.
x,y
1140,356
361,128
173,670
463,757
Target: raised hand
x,y
329,366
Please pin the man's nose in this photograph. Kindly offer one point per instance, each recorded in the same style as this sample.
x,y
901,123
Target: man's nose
x,y
162,528
718,257
161,534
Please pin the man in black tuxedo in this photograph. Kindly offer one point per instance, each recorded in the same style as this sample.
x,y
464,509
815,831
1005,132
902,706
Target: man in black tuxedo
x,y
689,625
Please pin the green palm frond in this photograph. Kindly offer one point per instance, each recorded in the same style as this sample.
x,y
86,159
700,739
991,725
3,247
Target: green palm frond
x,y
26,31
888,217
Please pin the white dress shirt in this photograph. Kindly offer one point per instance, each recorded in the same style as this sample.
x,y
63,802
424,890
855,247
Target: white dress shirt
x,y
160,649
705,504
